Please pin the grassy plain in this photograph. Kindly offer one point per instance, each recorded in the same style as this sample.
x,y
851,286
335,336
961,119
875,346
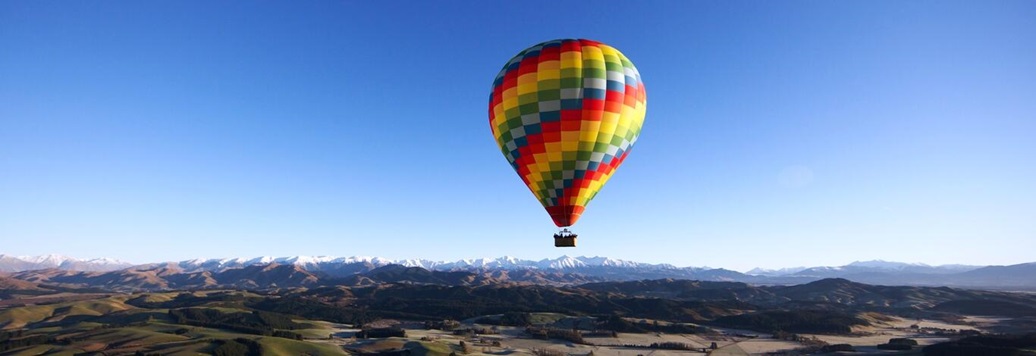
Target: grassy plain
x,y
127,323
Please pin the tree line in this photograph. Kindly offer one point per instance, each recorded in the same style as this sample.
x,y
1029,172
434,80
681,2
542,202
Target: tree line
x,y
256,322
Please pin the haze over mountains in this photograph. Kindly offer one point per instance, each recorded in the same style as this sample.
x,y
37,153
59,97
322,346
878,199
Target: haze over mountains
x,y
265,271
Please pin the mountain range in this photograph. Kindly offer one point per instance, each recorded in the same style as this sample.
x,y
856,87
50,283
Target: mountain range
x,y
28,263
264,272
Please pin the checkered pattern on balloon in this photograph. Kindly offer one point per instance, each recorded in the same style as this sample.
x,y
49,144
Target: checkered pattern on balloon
x,y
565,114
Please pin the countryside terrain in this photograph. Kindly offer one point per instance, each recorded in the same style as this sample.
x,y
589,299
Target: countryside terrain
x,y
284,309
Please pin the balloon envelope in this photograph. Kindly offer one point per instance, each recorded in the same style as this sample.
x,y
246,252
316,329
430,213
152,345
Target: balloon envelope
x,y
565,114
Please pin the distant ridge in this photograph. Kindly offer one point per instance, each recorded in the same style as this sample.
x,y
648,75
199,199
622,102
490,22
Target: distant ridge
x,y
28,263
506,262
562,270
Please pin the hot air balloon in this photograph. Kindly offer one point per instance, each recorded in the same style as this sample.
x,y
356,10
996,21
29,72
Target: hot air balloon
x,y
565,114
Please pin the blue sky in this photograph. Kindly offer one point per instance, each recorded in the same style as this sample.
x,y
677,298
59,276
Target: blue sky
x,y
777,133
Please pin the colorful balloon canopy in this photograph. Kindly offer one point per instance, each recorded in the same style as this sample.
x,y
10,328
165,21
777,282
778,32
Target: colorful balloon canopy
x,y
565,114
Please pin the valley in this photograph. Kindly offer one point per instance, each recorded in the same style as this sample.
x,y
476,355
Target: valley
x,y
395,310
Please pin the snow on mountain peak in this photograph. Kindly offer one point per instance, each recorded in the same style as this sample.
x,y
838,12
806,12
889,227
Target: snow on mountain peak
x,y
505,262
562,262
63,262
774,272
881,264
305,260
319,262
51,259
106,261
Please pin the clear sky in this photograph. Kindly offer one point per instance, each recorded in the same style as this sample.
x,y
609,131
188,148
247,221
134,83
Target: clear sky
x,y
777,133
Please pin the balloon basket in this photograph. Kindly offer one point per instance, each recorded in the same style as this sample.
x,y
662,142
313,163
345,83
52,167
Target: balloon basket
x,y
564,242
565,238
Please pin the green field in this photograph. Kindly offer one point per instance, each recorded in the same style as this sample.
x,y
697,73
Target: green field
x,y
280,346
21,317
112,326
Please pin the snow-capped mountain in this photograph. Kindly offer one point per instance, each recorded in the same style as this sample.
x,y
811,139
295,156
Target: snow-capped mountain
x,y
596,268
880,267
514,263
25,263
315,263
912,267
881,264
774,272
861,267
323,263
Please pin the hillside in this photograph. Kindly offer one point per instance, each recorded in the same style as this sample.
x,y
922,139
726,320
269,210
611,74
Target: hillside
x,y
300,317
